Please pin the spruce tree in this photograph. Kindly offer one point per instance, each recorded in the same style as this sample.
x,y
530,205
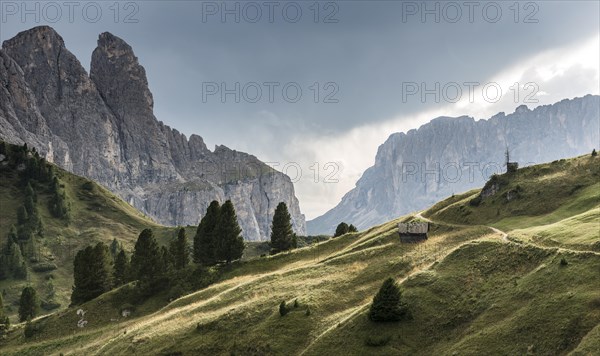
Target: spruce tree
x,y
230,244
22,216
179,250
120,274
205,242
115,247
166,259
387,304
281,230
28,304
341,229
4,321
12,263
29,192
92,273
146,262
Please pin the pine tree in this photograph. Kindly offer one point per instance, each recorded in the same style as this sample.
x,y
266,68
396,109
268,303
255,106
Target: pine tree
x,y
115,247
166,259
281,229
28,304
22,216
60,207
92,273
205,242
12,263
387,304
146,262
121,270
230,244
594,153
341,229
352,228
29,192
4,321
179,250
40,227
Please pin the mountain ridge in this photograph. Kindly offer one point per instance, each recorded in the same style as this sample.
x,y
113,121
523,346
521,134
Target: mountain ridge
x,y
90,125
386,189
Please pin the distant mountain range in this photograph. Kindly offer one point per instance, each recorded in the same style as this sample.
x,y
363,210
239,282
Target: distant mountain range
x,y
102,126
449,155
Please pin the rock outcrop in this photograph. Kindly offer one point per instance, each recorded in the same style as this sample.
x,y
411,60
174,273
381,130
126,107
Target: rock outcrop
x,y
102,126
414,170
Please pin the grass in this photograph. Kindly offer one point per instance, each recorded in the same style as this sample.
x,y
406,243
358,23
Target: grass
x,y
318,276
97,216
468,291
486,298
535,195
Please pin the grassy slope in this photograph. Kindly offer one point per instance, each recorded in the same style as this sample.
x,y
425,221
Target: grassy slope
x,y
486,297
334,279
559,198
97,215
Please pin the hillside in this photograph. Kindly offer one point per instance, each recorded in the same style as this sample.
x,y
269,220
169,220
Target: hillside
x,y
95,215
552,204
470,289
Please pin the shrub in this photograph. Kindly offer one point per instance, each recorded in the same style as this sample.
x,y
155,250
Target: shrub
x,y
307,313
282,309
31,329
44,267
376,341
50,304
89,186
475,201
296,305
563,262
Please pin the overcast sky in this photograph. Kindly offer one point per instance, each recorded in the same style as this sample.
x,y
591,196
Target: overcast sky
x,y
370,60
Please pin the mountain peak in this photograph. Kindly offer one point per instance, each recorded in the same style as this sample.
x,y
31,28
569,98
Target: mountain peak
x,y
118,75
45,36
113,45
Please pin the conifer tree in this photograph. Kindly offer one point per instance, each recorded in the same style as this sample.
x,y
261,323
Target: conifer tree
x,y
387,304
147,262
341,229
166,259
179,250
29,192
205,242
230,244
92,273
22,216
281,229
121,270
352,228
28,304
4,321
12,263
115,247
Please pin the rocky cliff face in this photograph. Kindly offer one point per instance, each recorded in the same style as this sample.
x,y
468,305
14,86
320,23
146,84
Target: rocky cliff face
x,y
414,170
102,126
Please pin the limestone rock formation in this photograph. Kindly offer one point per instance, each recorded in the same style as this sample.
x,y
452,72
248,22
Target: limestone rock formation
x,y
414,170
102,126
